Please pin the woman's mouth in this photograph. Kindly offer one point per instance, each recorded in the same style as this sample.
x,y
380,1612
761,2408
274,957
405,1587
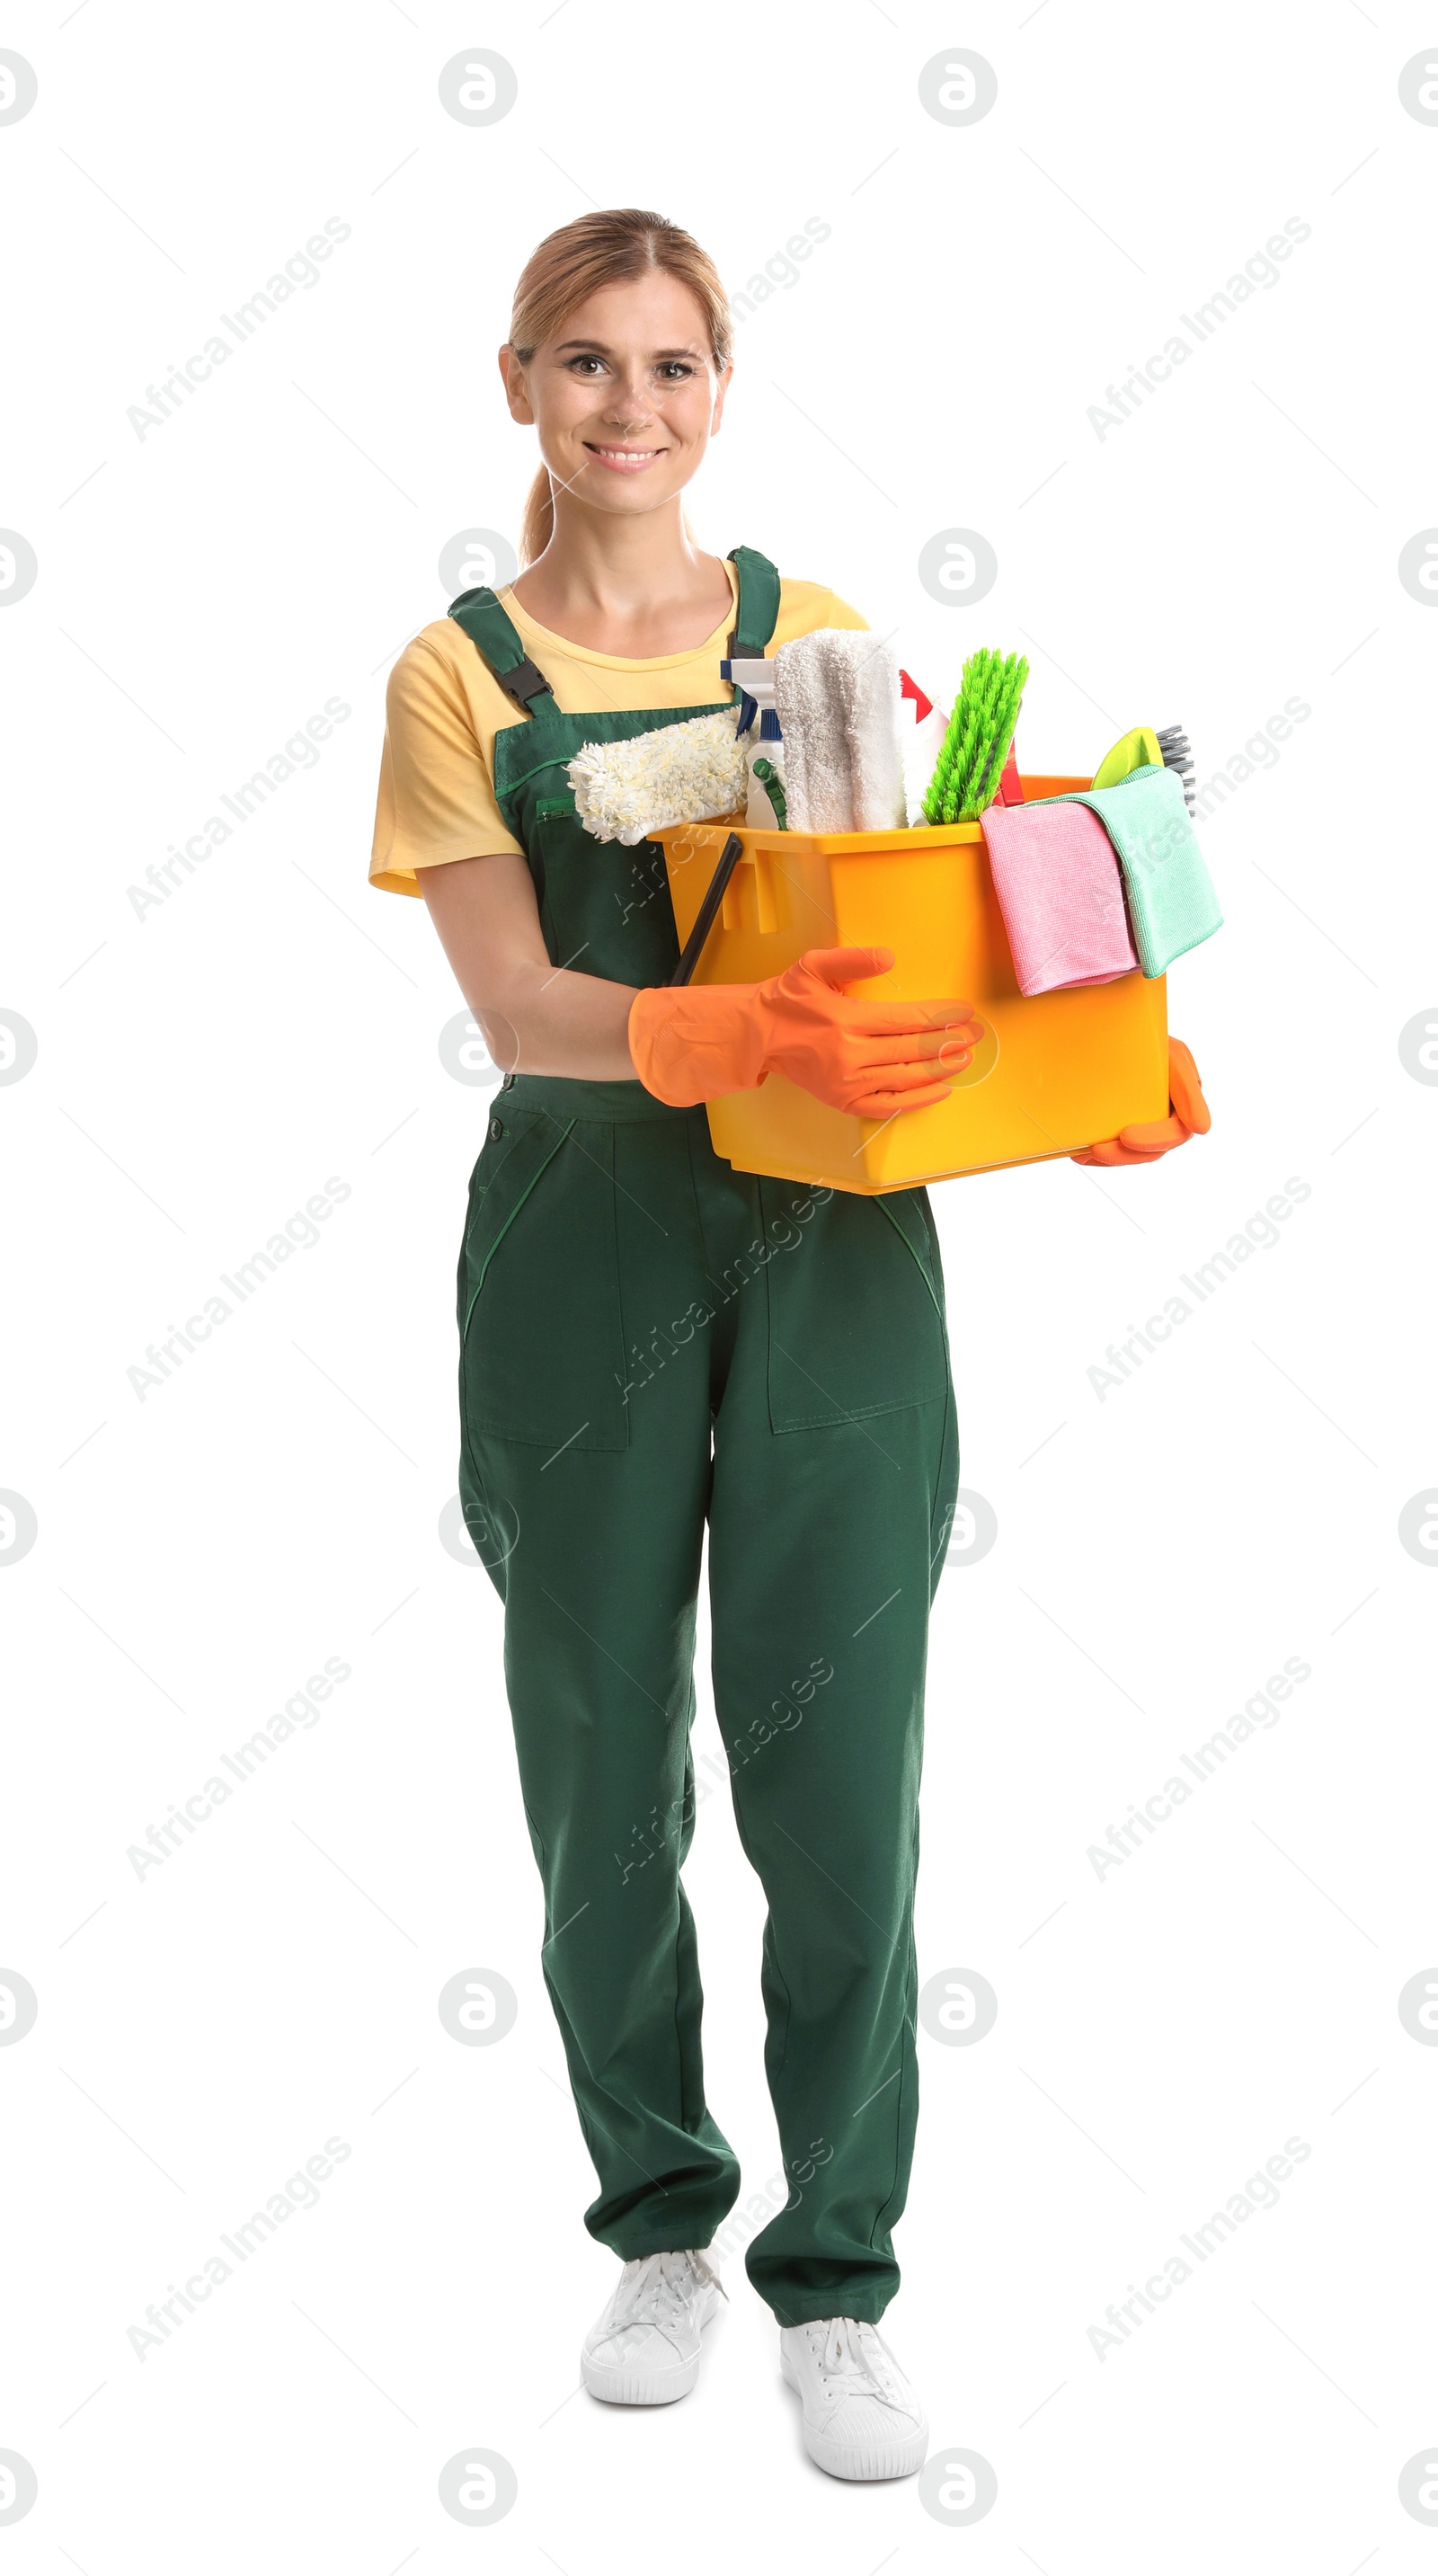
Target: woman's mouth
x,y
624,460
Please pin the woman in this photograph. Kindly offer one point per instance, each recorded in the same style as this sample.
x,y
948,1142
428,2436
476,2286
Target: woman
x,y
652,1341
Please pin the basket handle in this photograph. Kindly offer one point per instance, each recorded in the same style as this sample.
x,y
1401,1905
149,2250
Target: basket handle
x,y
704,919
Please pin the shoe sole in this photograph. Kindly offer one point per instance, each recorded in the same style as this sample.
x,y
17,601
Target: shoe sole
x,y
644,2388
848,2460
637,2388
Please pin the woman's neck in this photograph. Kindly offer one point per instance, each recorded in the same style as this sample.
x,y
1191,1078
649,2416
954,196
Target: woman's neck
x,y
636,587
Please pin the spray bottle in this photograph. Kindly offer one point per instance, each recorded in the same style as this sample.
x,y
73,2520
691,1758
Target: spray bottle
x,y
755,683
922,741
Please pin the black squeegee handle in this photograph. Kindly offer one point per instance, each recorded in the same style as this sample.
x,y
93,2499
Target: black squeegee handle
x,y
707,914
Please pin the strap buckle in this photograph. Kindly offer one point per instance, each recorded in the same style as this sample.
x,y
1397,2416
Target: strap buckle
x,y
523,682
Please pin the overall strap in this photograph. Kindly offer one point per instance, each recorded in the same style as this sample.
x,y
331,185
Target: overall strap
x,y
758,607
498,645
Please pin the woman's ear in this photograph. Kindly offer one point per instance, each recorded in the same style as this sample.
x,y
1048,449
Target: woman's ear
x,y
515,386
721,392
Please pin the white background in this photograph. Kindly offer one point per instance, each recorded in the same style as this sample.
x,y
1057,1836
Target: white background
x,y
205,1067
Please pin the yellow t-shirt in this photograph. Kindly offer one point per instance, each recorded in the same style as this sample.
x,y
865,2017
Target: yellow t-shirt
x,y
443,708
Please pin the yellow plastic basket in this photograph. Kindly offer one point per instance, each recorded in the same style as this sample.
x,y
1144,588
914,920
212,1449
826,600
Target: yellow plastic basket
x,y
1051,1074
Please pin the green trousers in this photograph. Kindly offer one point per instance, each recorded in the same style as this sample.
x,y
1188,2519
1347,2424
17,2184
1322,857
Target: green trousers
x,y
651,1341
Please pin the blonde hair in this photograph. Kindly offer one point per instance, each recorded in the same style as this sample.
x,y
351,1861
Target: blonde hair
x,y
599,250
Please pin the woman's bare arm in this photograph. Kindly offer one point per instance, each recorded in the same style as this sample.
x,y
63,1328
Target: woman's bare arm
x,y
536,1018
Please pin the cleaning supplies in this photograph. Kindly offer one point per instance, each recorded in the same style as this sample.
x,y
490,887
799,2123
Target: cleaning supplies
x,y
869,686
1143,749
771,780
923,703
1178,754
1060,894
762,739
1140,749
981,727
924,743
922,740
837,694
1171,900
1048,1074
680,773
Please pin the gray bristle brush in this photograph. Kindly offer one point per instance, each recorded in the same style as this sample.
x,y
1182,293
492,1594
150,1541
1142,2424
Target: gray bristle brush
x,y
1177,751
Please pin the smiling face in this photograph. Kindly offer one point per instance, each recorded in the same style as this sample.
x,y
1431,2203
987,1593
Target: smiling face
x,y
626,397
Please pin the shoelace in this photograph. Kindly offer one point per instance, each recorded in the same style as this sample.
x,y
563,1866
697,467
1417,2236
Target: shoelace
x,y
658,2293
853,2362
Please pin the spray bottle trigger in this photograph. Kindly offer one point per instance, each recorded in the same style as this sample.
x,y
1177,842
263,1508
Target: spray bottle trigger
x,y
1011,787
923,706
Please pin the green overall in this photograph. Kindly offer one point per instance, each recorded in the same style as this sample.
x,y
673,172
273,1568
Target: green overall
x,y
651,1341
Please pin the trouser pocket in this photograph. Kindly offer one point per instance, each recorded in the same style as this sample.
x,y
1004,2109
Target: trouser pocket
x,y
542,1347
856,1322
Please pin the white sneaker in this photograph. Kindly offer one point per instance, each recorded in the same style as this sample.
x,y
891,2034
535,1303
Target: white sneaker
x,y
644,2349
861,2417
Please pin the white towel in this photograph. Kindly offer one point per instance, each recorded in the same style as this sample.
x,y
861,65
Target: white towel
x,y
837,692
869,686
816,752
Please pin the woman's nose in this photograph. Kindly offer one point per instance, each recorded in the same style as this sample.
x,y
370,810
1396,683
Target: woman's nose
x,y
628,404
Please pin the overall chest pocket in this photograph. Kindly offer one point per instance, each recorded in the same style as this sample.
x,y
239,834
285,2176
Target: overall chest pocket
x,y
602,906
541,1344
856,1308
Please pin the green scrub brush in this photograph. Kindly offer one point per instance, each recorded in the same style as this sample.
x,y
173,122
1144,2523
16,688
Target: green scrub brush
x,y
981,728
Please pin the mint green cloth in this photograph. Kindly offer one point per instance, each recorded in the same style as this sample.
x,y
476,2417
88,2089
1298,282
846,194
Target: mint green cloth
x,y
1171,899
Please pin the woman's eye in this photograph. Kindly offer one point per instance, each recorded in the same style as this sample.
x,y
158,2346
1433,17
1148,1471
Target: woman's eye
x,y
585,362
675,367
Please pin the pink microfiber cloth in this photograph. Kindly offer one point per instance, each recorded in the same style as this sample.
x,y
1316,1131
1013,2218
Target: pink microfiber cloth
x,y
1061,895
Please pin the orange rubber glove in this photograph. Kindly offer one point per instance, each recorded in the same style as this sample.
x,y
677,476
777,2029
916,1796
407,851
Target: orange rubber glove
x,y
695,1042
1149,1138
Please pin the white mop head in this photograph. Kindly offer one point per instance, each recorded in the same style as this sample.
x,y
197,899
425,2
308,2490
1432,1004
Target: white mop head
x,y
679,773
837,692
